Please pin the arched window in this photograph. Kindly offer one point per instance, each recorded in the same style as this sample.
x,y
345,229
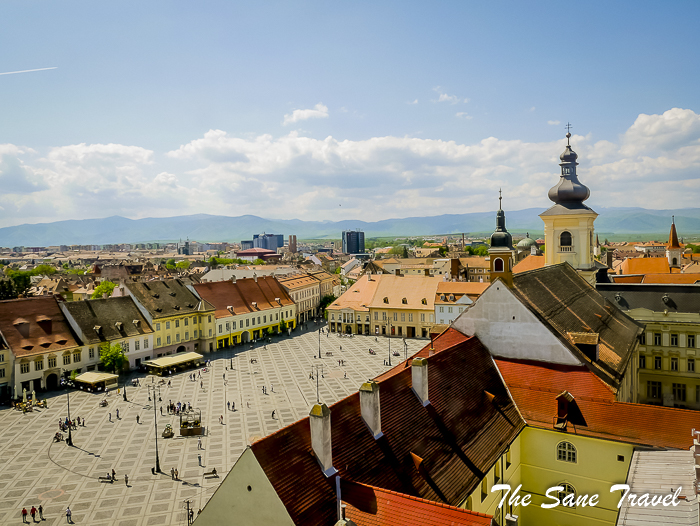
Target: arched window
x,y
404,301
566,452
565,239
568,490
675,261
498,265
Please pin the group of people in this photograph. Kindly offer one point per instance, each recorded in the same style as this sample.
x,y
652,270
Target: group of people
x,y
179,407
174,474
63,425
33,511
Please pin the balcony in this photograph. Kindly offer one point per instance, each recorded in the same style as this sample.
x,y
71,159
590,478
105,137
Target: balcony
x,y
566,249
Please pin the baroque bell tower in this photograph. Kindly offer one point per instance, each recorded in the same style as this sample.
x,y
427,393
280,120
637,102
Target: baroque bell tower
x,y
568,224
501,250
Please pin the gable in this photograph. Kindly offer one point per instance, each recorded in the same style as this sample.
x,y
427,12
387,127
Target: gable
x,y
510,330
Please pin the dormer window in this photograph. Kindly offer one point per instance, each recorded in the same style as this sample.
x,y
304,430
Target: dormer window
x,y
442,297
386,300
452,297
424,301
404,301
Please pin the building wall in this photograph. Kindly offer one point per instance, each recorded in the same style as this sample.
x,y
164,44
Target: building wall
x,y
669,356
243,328
583,237
507,328
245,496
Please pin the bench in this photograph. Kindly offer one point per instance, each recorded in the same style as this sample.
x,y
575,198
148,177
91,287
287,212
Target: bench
x,y
212,473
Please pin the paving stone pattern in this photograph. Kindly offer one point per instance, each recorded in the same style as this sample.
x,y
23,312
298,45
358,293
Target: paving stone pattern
x,y
34,470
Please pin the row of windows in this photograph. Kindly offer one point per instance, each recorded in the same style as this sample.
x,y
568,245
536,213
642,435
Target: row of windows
x,y
449,309
674,363
654,391
656,338
403,316
232,325
195,320
168,338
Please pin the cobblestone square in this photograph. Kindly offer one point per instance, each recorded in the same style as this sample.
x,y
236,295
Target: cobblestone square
x,y
34,470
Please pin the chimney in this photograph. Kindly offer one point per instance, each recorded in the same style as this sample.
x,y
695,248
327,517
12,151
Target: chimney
x,y
533,250
419,379
369,407
233,278
320,423
255,277
397,272
609,258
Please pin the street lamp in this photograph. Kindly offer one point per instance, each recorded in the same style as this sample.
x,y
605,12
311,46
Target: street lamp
x,y
125,380
319,343
155,418
388,334
405,349
69,440
317,367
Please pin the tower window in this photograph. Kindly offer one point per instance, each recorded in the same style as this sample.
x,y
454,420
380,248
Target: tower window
x,y
565,239
498,265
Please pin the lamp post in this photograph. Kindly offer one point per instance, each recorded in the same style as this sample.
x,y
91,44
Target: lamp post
x,y
155,418
405,349
317,367
388,334
319,343
125,380
69,440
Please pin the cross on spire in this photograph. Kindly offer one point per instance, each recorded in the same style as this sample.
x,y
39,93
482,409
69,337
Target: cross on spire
x,y
499,199
568,132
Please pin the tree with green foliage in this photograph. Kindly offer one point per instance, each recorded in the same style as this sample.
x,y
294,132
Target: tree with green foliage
x,y
44,270
21,281
7,290
325,301
258,261
106,287
112,357
183,265
283,326
694,248
337,270
442,251
170,264
74,374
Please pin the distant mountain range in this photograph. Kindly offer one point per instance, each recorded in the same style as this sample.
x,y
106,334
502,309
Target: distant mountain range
x,y
203,227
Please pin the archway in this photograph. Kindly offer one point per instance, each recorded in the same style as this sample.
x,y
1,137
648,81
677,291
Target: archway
x,y
181,349
245,337
52,382
498,265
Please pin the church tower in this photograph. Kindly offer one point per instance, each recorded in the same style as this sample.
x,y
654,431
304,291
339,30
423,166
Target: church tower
x,y
501,251
568,225
674,252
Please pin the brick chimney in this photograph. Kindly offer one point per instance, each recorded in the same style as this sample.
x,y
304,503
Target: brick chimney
x,y
419,379
369,407
320,423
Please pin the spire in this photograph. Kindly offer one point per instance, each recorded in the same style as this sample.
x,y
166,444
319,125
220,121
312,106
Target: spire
x,y
569,192
673,235
501,237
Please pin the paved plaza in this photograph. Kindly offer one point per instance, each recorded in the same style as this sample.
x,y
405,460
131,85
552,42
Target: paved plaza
x,y
34,470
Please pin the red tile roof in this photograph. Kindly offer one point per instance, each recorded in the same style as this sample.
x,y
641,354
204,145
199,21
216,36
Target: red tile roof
x,y
241,295
534,386
33,326
459,436
372,506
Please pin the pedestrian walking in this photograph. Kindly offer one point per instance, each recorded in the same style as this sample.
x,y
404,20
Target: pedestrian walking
x,y
126,479
110,417
78,419
83,422
172,473
161,410
69,514
201,384
137,418
41,512
117,414
32,512
24,515
221,419
233,405
177,474
273,415
199,459
346,375
229,405
114,475
199,443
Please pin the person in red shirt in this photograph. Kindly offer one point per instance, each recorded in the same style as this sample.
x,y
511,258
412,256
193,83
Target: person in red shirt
x,y
24,515
33,513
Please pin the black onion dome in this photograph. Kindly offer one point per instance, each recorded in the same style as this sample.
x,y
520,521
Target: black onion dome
x,y
569,190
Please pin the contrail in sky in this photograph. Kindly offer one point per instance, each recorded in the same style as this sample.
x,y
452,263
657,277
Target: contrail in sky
x,y
26,71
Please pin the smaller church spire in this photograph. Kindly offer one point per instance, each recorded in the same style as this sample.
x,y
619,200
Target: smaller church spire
x,y
673,235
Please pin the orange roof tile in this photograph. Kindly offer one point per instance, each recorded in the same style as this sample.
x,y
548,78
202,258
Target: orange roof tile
x,y
534,387
688,279
241,295
372,506
645,266
529,263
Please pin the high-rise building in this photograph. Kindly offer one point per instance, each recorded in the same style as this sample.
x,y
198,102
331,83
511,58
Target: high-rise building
x,y
268,241
353,242
292,244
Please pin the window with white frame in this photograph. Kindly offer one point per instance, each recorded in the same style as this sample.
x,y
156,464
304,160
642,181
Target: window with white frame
x,y
566,452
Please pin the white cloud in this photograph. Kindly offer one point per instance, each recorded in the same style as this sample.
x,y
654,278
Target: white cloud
x,y
320,111
654,164
554,123
444,97
463,115
414,102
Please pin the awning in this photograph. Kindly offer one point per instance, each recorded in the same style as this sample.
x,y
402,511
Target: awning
x,y
174,360
96,378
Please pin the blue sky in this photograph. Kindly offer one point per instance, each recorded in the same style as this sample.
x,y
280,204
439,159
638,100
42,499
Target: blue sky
x,y
327,110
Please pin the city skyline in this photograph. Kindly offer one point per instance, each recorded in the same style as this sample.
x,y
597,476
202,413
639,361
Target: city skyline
x,y
342,112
